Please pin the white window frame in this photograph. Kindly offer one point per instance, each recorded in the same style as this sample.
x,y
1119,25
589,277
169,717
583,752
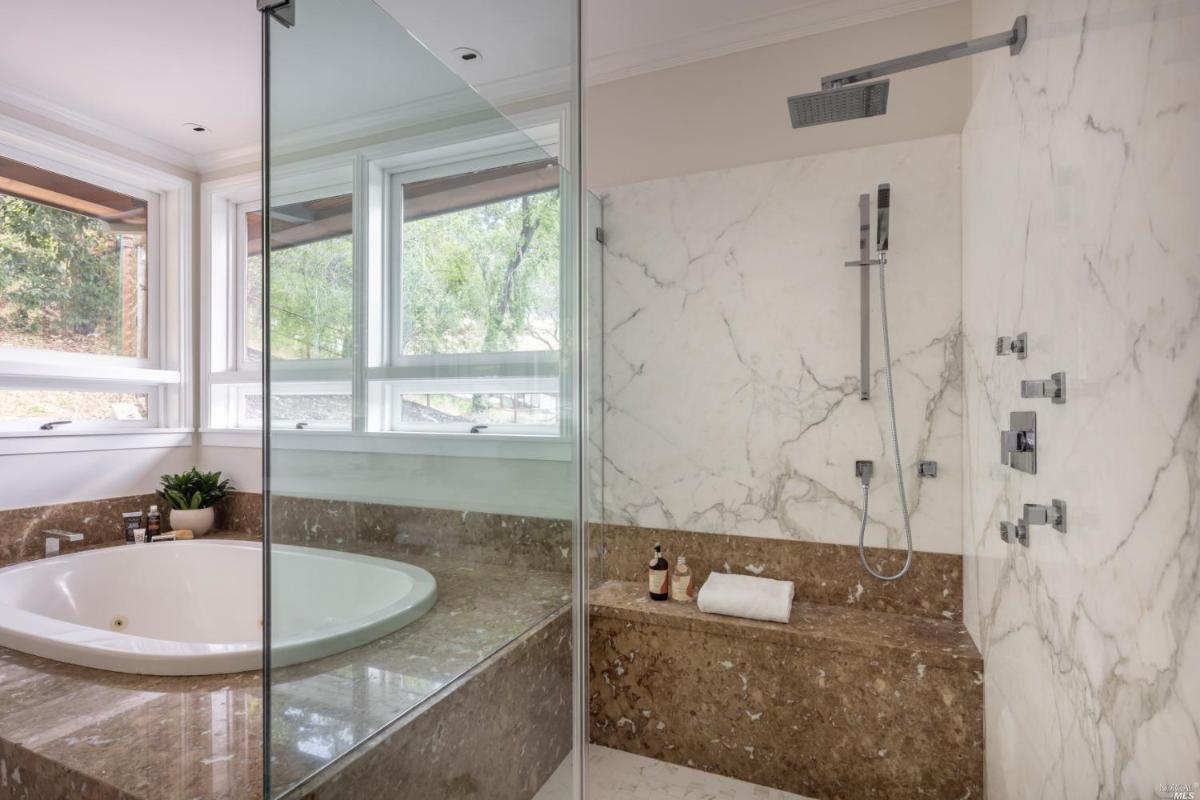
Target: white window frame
x,y
225,367
392,373
364,172
162,372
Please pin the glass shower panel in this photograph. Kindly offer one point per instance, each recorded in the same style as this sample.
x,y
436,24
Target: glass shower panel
x,y
419,317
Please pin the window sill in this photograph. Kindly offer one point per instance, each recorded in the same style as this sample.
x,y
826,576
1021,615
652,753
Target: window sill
x,y
231,437
61,441
450,445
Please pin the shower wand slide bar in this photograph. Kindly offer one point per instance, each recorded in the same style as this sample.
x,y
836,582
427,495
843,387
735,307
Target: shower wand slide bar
x,y
1013,39
864,303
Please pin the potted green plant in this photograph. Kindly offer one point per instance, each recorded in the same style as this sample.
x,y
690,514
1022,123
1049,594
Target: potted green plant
x,y
191,496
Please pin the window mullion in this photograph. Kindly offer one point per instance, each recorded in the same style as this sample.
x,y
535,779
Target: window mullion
x,y
361,237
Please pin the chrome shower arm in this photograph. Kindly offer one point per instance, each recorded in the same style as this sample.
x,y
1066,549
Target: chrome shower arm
x,y
1013,39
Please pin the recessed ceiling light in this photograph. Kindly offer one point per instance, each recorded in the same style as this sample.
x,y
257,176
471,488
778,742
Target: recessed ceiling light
x,y
467,54
196,127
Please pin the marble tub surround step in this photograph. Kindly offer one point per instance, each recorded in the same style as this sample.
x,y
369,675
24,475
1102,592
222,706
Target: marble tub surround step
x,y
100,522
838,703
74,732
364,693
536,543
823,573
499,732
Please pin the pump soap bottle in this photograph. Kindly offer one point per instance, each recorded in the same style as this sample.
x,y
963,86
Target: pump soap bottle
x,y
660,575
683,588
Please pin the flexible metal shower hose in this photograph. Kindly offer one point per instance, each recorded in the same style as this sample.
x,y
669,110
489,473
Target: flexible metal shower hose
x,y
887,371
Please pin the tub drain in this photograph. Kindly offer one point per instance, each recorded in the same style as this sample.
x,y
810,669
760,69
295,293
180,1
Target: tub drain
x,y
118,623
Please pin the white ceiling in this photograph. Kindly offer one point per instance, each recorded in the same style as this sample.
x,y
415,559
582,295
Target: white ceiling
x,y
145,67
380,67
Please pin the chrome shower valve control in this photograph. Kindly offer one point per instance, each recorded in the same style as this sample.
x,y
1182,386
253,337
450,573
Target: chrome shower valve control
x,y
1055,388
927,469
1054,515
1013,345
1018,445
1015,532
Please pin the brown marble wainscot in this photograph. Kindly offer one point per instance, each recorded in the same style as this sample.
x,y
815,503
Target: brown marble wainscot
x,y
87,734
241,511
823,573
838,703
100,522
535,543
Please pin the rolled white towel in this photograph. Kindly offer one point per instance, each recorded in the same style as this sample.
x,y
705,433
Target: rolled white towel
x,y
747,596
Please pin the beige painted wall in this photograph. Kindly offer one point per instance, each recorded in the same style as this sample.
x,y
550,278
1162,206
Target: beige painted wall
x,y
729,111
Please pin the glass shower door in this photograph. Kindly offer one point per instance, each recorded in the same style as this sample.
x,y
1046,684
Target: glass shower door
x,y
420,285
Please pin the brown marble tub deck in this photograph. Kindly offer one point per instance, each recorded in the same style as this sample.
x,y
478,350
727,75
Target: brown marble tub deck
x,y
74,732
68,731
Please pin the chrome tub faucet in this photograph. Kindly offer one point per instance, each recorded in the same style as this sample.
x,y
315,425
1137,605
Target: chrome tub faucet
x,y
55,537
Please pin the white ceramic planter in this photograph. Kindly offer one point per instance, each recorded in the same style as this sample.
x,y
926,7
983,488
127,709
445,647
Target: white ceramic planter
x,y
197,520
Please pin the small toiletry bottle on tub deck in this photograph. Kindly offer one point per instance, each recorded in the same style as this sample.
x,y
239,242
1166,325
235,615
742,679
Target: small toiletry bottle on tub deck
x,y
131,521
660,575
683,588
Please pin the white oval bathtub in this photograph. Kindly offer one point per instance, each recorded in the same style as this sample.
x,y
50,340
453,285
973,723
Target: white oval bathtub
x,y
195,607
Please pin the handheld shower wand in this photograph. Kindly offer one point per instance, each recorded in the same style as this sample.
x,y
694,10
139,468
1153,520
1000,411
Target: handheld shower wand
x,y
883,210
883,205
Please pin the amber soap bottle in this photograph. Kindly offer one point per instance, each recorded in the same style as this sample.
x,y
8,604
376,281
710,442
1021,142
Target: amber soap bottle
x,y
660,575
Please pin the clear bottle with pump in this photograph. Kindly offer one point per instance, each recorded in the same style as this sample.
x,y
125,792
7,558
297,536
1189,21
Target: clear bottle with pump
x,y
683,588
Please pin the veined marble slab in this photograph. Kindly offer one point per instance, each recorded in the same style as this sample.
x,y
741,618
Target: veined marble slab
x,y
1082,226
731,349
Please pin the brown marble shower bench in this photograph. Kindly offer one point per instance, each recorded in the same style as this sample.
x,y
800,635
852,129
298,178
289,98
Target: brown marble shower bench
x,y
841,701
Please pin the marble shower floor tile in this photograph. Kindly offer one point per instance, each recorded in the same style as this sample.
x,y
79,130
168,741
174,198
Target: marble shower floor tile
x,y
615,775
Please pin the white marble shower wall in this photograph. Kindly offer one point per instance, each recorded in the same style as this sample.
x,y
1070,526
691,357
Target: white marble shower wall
x,y
1081,218
731,349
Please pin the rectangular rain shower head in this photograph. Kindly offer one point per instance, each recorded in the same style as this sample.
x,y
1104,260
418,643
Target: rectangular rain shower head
x,y
838,105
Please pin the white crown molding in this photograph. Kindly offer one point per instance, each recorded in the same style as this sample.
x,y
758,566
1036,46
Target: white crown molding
x,y
397,118
744,35
406,115
207,163
418,112
36,104
124,138
531,85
